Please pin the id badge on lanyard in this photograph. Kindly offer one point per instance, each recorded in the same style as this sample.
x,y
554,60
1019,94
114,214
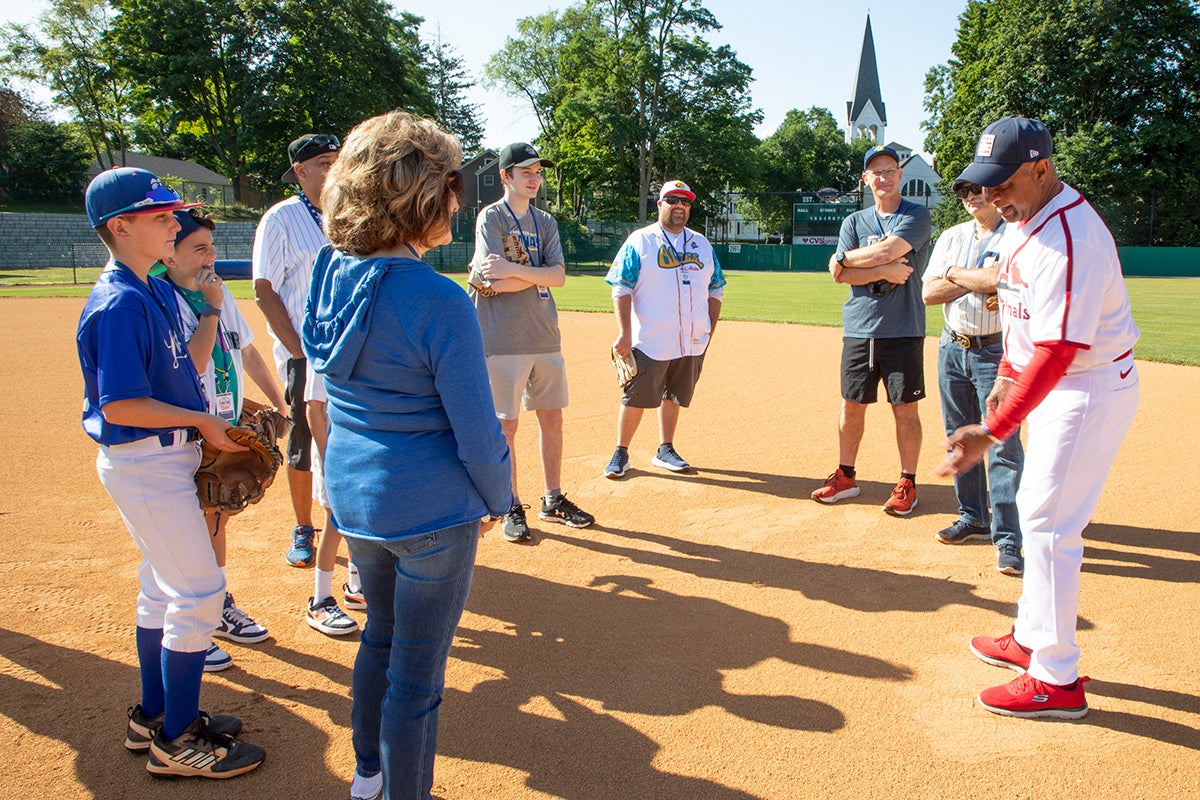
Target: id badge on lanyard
x,y
225,406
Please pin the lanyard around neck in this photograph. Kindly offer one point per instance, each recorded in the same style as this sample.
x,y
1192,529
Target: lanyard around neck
x,y
145,286
531,244
886,232
670,244
316,215
983,250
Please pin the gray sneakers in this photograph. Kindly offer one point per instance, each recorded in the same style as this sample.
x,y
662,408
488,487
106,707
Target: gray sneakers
x,y
667,458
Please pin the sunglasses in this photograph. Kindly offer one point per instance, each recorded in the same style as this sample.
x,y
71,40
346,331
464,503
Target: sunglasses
x,y
675,201
965,190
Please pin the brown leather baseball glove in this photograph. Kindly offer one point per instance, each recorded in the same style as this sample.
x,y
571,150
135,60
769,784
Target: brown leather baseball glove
x,y
624,366
229,482
476,282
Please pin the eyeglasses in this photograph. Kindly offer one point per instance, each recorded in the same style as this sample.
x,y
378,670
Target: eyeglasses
x,y
455,183
965,190
883,173
676,201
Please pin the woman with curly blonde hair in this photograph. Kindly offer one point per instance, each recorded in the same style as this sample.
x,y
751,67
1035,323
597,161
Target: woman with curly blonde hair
x,y
416,467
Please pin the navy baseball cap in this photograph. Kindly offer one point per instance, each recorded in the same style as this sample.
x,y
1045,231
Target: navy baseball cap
x,y
1004,146
522,154
879,150
310,145
187,226
124,191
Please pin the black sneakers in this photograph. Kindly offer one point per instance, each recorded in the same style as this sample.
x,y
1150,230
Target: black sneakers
x,y
141,729
564,511
200,752
514,527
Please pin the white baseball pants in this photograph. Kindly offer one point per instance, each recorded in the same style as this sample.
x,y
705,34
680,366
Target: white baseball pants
x,y
182,589
1074,436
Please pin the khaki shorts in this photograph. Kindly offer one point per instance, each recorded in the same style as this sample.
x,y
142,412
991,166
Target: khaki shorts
x,y
538,381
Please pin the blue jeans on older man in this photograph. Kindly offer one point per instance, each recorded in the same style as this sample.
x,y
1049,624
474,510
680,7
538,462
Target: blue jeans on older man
x,y
416,589
965,378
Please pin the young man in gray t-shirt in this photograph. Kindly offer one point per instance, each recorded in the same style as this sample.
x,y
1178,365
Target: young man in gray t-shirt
x,y
518,257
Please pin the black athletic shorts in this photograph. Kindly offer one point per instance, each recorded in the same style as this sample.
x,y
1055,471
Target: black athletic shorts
x,y
299,444
899,363
674,380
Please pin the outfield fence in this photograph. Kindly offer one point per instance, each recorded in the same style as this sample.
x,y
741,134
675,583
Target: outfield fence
x,y
1140,262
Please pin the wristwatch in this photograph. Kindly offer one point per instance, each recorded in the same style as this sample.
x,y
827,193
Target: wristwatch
x,y
207,310
839,256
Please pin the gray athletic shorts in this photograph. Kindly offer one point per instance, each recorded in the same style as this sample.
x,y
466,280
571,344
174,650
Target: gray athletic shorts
x,y
538,381
674,380
899,363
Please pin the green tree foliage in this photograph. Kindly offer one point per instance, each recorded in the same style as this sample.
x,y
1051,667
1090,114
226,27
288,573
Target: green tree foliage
x,y
806,152
44,163
229,82
1117,83
197,65
339,62
628,93
69,51
449,81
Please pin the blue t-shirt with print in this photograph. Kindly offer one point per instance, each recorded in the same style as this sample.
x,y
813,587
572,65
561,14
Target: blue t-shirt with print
x,y
131,345
900,312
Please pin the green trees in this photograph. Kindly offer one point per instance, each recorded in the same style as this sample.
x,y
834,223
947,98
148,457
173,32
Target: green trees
x,y
70,53
228,83
628,93
448,85
1117,83
807,151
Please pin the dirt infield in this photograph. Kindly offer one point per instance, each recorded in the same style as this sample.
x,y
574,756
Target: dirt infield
x,y
719,636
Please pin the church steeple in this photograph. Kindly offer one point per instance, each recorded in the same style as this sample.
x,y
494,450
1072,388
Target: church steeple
x,y
865,114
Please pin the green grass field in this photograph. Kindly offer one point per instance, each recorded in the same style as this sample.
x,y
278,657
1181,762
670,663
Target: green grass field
x,y
1166,309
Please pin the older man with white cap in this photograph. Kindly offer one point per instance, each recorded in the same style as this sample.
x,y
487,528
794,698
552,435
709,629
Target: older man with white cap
x,y
667,292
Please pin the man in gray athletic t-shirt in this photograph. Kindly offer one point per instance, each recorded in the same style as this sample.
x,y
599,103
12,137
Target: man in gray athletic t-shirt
x,y
884,326
518,257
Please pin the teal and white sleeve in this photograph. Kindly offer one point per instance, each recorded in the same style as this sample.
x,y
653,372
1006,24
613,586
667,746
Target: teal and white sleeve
x,y
625,267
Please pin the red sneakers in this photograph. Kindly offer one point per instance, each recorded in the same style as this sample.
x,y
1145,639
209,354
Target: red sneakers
x,y
1025,696
903,499
837,487
1002,652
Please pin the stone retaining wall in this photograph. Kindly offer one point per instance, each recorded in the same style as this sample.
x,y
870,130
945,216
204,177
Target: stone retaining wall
x,y
30,241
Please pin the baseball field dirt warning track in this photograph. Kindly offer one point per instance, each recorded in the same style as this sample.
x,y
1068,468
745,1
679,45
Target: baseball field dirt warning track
x,y
713,637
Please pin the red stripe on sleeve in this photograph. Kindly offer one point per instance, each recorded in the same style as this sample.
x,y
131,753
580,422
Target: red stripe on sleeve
x,y
1049,363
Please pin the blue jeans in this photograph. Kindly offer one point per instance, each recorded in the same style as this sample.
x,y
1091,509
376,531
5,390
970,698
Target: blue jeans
x,y
416,589
965,378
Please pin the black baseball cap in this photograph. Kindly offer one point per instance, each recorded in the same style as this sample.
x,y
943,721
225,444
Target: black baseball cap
x,y
1004,146
310,145
522,154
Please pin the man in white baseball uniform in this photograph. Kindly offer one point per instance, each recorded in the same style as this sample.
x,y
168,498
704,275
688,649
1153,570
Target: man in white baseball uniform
x,y
1068,369
667,292
962,274
285,249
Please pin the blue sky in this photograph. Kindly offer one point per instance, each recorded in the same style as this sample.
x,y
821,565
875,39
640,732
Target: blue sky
x,y
804,53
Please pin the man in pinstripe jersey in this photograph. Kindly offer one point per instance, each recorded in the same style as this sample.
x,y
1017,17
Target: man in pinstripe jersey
x,y
962,275
285,249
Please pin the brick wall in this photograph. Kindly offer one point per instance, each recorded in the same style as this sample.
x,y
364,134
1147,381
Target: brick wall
x,y
29,241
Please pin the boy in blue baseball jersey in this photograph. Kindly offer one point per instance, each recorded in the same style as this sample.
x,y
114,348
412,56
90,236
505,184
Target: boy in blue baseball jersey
x,y
145,406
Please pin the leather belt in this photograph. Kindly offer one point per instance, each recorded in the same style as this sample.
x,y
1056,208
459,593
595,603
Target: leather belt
x,y
967,342
168,439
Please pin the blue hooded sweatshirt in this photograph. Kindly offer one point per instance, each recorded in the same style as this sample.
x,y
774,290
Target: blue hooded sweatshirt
x,y
414,444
